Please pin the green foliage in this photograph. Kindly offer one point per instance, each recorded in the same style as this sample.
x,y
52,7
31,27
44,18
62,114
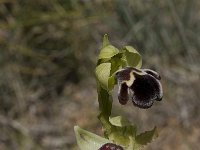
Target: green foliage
x,y
87,140
105,101
116,129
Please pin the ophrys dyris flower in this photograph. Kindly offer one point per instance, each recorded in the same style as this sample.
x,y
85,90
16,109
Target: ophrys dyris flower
x,y
141,85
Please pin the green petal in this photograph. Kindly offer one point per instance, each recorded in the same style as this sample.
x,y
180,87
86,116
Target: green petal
x,y
132,57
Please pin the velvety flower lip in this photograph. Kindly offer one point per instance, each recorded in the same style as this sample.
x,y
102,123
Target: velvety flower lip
x,y
142,85
123,95
124,74
146,90
111,146
153,73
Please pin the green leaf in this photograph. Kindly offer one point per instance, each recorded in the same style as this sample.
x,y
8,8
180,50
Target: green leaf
x,y
131,143
119,121
145,138
106,124
132,57
122,135
87,140
118,129
108,52
121,131
119,138
111,82
103,73
105,101
106,42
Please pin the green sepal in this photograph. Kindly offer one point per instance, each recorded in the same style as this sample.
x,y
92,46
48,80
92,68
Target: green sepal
x,y
108,52
87,140
106,41
103,74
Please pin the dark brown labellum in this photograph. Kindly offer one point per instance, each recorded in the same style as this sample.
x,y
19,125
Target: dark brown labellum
x,y
142,85
146,90
123,94
124,75
153,73
111,146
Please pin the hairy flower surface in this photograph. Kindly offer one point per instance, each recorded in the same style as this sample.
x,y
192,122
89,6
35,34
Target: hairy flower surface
x,y
141,85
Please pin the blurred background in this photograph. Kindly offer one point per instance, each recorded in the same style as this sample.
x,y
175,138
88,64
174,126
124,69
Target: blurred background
x,y
48,51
